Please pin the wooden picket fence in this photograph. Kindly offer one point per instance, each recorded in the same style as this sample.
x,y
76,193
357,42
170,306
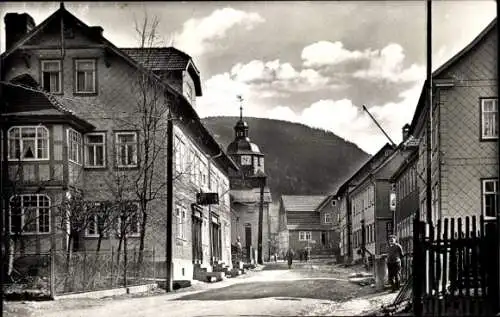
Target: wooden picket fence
x,y
455,267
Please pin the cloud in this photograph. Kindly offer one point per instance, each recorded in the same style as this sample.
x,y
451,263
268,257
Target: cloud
x,y
388,64
385,64
327,53
273,76
350,122
198,34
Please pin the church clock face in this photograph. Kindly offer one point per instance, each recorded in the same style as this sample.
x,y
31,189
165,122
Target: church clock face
x,y
246,160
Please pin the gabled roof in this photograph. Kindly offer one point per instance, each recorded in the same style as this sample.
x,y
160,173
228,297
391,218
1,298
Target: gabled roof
x,y
158,58
421,105
23,96
165,59
364,168
412,157
185,104
466,49
302,203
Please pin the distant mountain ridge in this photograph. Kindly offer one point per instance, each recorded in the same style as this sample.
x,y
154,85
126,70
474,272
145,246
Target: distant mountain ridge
x,y
299,160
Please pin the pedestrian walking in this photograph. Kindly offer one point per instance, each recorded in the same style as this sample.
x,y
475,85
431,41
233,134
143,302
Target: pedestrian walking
x,y
394,257
289,257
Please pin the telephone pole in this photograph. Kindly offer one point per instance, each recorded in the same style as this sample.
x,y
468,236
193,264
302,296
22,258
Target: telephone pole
x,y
170,204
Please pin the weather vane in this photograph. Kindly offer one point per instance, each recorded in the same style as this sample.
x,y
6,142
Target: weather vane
x,y
240,99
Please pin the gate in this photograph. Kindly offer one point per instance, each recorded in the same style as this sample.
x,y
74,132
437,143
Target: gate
x,y
454,267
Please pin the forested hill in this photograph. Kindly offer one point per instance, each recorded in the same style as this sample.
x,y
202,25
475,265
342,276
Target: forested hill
x,y
300,160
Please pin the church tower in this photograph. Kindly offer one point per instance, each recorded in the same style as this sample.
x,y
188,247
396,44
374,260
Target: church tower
x,y
245,153
246,185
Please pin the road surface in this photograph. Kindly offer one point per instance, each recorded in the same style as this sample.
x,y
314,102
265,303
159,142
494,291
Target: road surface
x,y
307,289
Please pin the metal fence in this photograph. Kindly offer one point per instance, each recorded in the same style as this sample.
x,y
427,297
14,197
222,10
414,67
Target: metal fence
x,y
59,273
85,271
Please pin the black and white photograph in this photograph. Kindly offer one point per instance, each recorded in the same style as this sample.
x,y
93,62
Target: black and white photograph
x,y
249,158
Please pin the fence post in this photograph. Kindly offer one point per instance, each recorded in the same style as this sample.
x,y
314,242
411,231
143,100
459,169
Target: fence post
x,y
111,263
52,273
154,264
417,264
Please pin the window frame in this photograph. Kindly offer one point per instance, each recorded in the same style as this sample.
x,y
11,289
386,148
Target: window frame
x,y
70,148
325,216
117,149
85,147
94,75
181,216
482,101
9,138
37,232
60,72
483,198
128,234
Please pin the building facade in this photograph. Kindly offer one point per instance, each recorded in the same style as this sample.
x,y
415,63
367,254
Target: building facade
x,y
249,195
71,128
308,222
464,137
404,185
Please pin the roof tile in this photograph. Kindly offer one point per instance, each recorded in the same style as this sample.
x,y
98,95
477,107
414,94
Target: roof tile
x,y
302,203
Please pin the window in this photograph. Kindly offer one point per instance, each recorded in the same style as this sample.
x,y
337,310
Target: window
x,y
52,76
489,191
191,160
30,214
179,154
305,235
180,213
95,149
328,218
28,143
126,146
97,221
246,160
130,219
85,76
74,146
489,115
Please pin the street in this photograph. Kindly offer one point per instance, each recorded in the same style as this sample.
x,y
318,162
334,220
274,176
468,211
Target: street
x,y
308,289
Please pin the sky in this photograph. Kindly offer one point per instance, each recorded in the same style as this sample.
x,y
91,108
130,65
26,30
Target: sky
x,y
314,63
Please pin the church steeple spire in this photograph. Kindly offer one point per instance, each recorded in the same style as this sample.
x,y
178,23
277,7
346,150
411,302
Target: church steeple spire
x,y
241,127
240,99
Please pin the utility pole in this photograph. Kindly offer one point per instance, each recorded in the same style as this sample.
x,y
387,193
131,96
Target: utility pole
x,y
428,134
170,203
261,218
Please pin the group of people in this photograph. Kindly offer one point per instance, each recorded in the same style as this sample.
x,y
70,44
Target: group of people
x,y
304,255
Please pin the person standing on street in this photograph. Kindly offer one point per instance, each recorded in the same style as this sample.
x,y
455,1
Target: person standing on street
x,y
394,258
289,257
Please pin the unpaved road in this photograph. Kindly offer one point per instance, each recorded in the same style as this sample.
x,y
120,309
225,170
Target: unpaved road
x,y
312,289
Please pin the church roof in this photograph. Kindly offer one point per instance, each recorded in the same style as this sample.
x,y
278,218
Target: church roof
x,y
250,195
243,146
302,203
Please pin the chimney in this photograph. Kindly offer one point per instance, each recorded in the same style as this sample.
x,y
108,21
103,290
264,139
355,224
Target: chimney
x,y
96,31
16,27
406,131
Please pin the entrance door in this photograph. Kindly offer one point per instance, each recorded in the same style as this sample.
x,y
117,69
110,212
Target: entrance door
x,y
323,238
197,247
248,239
